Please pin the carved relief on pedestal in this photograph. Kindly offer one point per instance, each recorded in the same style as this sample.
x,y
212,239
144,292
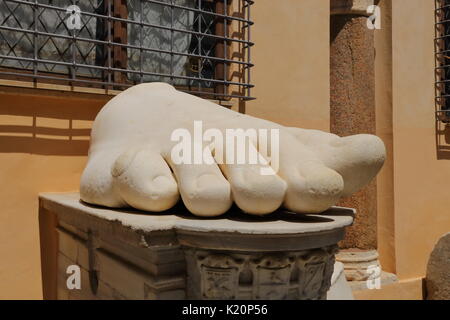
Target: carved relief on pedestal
x,y
272,276
296,275
219,276
315,270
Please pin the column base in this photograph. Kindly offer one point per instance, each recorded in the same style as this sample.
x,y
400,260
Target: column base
x,y
363,270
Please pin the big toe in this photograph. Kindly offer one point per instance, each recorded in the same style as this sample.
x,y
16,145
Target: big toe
x,y
358,159
312,188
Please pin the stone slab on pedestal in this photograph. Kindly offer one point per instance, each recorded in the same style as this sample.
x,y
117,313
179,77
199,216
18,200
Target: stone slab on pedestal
x,y
129,254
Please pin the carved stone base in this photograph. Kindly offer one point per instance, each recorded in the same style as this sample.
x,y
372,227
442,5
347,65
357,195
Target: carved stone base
x,y
127,254
363,270
296,275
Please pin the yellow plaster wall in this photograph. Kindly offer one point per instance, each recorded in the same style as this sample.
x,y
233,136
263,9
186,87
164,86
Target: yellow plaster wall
x,y
385,179
421,174
291,56
43,143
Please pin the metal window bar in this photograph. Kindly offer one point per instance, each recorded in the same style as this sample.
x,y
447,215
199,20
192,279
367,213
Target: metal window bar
x,y
120,43
225,51
199,46
442,54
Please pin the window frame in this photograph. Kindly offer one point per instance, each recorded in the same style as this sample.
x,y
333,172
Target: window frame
x,y
442,60
232,52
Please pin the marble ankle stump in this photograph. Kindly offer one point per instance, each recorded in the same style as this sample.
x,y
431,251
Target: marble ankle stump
x,y
131,159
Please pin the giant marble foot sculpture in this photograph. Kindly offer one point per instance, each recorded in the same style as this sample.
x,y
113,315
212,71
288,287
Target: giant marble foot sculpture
x,y
130,160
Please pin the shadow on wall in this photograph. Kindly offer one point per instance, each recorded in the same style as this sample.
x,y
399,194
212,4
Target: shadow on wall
x,y
46,124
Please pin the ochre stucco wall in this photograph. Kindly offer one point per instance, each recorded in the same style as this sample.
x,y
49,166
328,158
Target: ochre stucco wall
x,y
36,155
421,175
291,57
383,102
292,87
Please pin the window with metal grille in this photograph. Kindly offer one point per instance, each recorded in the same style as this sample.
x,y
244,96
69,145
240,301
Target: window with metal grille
x,y
200,46
442,48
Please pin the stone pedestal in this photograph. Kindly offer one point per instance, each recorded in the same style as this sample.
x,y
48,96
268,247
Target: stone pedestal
x,y
128,254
